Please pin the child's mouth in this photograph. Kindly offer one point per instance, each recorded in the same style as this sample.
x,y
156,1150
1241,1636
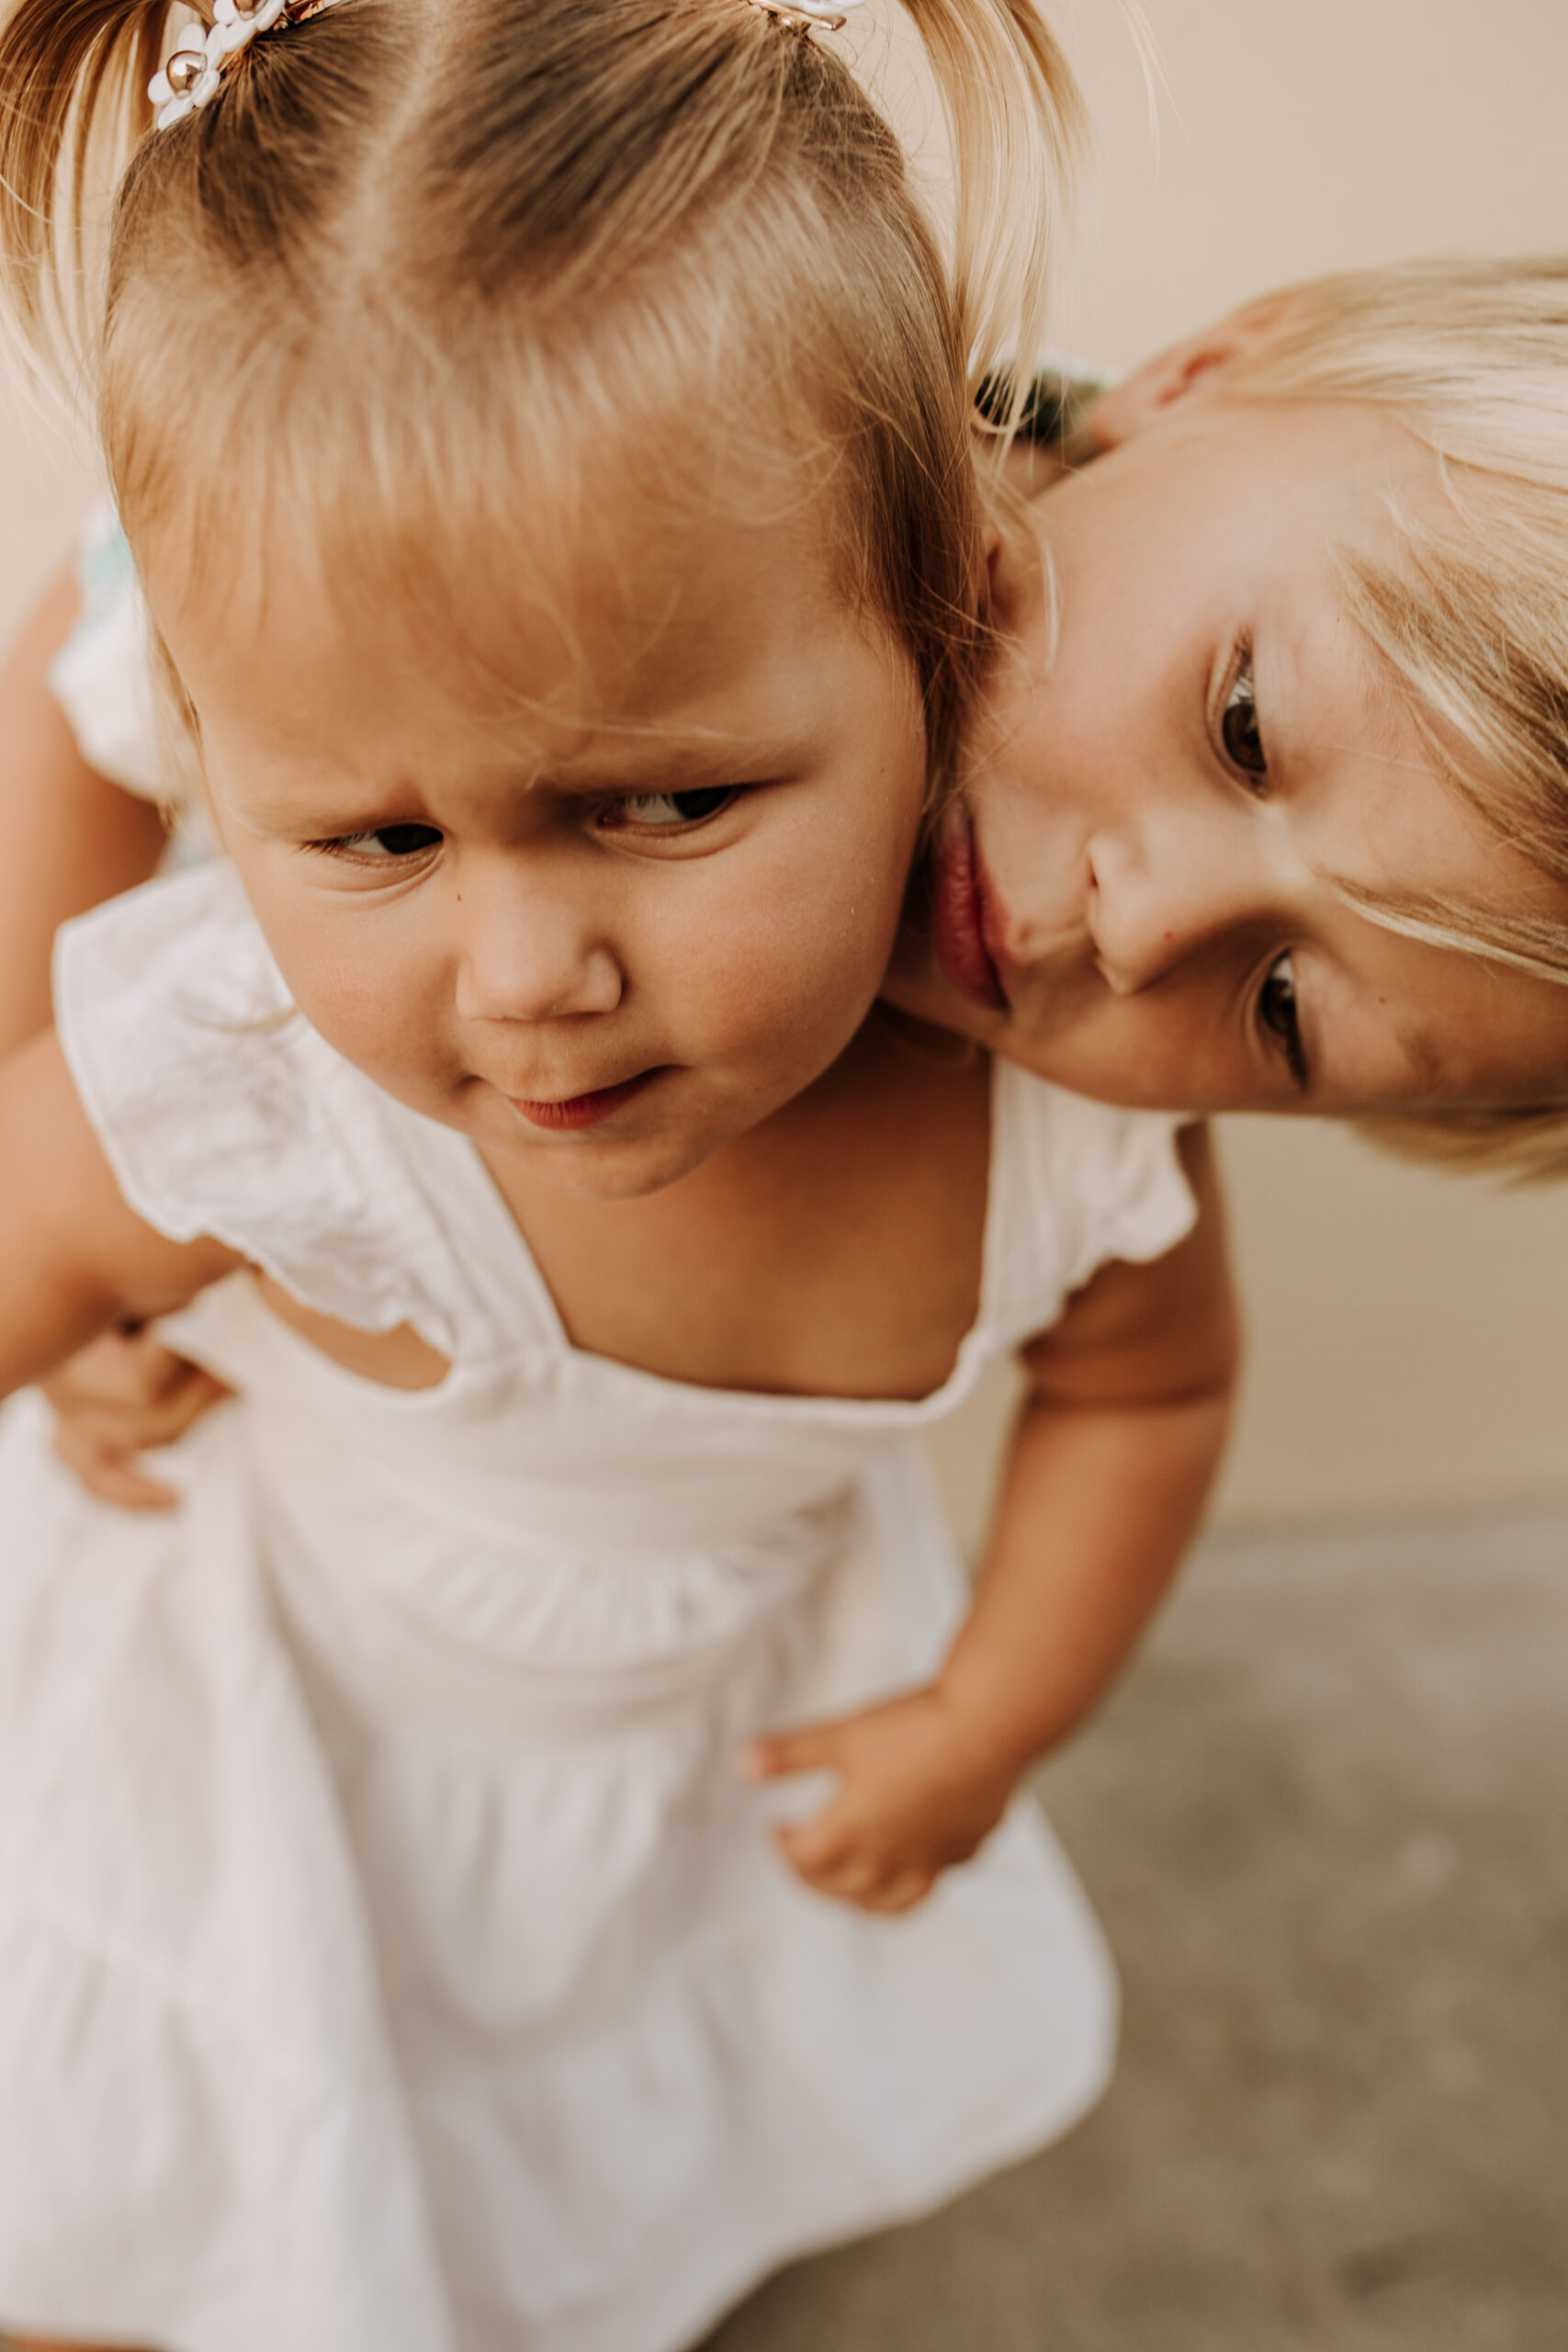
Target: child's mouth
x,y
585,1110
958,914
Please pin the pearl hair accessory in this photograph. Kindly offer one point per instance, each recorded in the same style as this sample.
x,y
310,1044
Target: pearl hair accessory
x,y
194,73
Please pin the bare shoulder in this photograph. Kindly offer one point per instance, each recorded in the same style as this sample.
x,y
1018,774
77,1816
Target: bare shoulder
x,y
72,837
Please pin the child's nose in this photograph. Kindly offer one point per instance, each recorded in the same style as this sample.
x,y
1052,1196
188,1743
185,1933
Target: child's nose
x,y
530,954
1157,903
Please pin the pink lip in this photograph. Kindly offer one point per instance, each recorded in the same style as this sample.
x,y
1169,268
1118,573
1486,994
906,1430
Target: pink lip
x,y
583,1110
962,917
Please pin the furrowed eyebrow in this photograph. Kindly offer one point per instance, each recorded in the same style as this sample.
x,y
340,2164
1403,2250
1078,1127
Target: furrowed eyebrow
x,y
681,768
668,768
275,820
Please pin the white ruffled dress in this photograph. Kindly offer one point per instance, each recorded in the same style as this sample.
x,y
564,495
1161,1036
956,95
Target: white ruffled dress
x,y
390,1957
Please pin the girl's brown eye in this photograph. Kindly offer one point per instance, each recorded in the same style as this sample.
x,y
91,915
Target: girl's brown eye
x,y
405,840
1239,730
387,845
1279,1013
660,809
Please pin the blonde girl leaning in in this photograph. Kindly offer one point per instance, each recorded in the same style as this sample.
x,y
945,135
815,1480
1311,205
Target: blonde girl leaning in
x,y
393,1956
1270,807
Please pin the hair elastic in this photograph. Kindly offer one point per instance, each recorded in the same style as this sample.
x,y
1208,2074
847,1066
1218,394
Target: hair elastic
x,y
194,73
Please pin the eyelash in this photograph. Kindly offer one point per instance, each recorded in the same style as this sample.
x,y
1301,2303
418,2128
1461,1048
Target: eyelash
x,y
720,795
1281,1034
1284,1035
344,846
1240,696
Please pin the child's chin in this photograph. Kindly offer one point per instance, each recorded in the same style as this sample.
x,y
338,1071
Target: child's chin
x,y
601,1166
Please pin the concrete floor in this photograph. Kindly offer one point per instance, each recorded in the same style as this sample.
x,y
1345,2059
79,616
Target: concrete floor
x,y
1326,1821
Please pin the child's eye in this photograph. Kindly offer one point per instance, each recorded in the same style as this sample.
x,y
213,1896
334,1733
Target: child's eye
x,y
664,811
1239,730
386,844
1279,1013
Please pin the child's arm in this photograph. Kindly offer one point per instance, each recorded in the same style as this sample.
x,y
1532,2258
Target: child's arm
x,y
76,1259
72,839
1112,1458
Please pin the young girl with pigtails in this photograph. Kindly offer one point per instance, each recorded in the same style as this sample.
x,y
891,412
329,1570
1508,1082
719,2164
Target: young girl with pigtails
x,y
542,432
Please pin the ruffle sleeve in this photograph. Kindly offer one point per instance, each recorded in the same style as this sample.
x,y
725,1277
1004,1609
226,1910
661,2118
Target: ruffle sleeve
x,y
225,1115
1095,1183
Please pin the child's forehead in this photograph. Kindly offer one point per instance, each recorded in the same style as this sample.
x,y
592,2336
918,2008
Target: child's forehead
x,y
623,563
638,607
668,657
1243,520
1340,466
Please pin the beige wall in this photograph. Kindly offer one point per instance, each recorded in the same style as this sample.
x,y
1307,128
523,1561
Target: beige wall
x,y
1410,1335
1295,137
44,485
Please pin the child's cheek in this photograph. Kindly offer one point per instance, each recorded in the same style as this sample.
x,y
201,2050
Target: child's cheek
x,y
817,931
797,982
360,974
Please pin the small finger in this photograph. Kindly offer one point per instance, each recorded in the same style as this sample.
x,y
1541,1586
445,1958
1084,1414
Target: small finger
x,y
820,1841
130,1489
135,1426
899,1893
815,1748
175,1411
875,1888
769,1759
117,1368
180,1388
844,1873
144,1372
113,1477
133,1368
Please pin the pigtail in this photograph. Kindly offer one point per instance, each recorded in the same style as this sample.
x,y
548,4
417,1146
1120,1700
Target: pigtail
x,y
73,107
1015,121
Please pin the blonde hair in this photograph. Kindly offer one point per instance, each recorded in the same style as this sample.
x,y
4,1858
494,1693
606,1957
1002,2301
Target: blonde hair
x,y
1469,618
423,263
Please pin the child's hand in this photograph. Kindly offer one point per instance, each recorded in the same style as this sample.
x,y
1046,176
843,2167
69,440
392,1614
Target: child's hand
x,y
918,1791
120,1396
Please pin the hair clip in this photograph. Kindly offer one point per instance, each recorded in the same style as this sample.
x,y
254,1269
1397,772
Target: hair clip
x,y
194,73
810,16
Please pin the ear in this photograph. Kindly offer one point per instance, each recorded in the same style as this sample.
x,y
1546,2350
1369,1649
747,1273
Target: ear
x,y
1006,567
1194,365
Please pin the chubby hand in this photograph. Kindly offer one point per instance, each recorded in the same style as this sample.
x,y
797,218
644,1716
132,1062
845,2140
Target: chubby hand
x,y
121,1395
918,1790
